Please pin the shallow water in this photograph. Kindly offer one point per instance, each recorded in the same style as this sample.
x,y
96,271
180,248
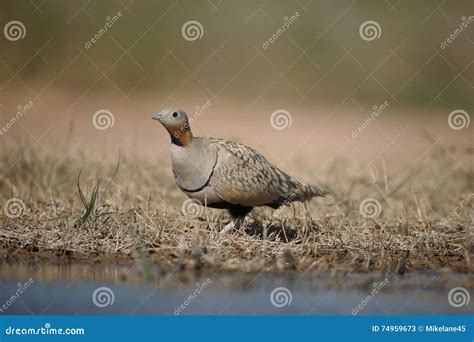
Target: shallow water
x,y
113,289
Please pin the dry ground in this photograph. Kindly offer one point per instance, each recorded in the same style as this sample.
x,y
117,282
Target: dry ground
x,y
134,213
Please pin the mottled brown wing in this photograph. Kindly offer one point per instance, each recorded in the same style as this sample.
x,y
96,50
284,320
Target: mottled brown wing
x,y
243,176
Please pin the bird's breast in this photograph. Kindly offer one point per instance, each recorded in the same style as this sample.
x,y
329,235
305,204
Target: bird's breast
x,y
193,167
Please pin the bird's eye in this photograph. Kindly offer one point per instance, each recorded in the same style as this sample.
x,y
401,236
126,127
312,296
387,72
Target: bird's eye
x,y
175,114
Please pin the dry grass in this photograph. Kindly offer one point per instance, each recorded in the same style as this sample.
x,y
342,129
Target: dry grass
x,y
135,214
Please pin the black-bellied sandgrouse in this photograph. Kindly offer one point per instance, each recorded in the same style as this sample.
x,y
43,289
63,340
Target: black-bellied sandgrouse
x,y
228,175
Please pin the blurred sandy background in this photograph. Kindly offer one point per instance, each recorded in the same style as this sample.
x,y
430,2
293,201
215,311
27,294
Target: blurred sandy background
x,y
320,70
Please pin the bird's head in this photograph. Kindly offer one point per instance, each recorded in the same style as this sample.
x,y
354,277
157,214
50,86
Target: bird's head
x,y
177,124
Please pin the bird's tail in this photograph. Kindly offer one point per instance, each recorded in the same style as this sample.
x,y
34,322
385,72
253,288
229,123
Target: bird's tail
x,y
309,191
301,192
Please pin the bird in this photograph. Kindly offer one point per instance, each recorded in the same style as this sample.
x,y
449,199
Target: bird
x,y
224,174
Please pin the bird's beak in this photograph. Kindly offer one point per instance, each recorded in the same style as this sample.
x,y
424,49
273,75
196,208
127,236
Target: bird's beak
x,y
156,117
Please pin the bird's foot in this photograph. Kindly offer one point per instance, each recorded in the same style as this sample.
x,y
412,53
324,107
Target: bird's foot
x,y
235,224
227,228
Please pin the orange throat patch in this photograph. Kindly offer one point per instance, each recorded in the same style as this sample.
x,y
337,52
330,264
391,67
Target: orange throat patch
x,y
181,135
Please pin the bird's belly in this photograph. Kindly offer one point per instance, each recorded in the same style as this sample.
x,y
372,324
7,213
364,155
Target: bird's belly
x,y
206,196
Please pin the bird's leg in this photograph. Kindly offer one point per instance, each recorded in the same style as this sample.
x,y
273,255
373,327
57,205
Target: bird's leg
x,y
239,222
307,213
235,223
228,227
238,214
